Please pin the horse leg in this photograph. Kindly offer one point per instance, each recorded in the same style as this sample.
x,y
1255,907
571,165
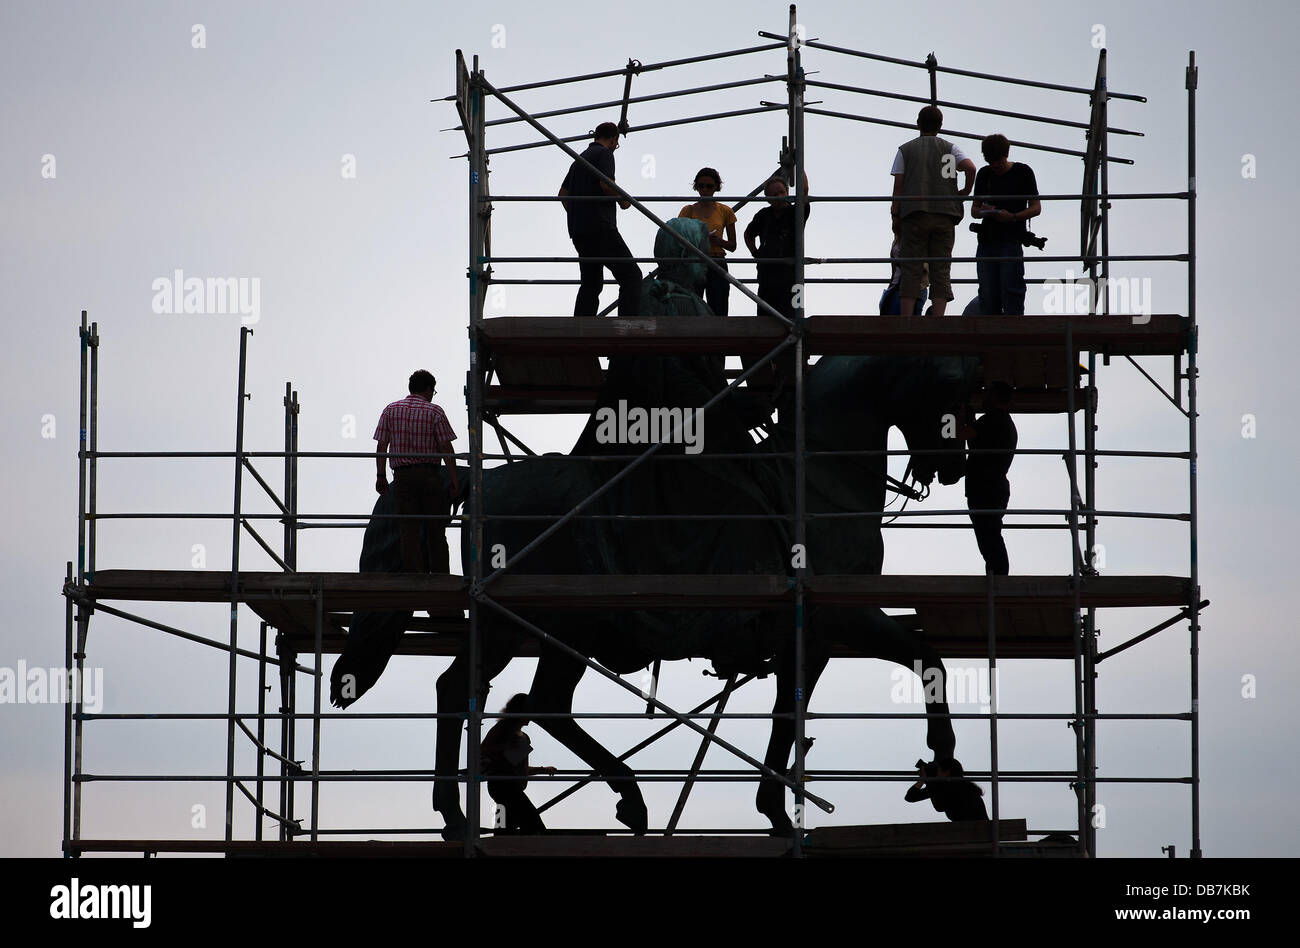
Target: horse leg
x,y
890,641
453,692
552,692
770,799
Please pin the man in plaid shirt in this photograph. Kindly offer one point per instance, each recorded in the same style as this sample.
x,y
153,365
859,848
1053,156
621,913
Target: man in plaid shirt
x,y
418,426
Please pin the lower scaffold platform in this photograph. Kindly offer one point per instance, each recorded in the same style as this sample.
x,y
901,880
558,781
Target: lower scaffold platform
x,y
897,839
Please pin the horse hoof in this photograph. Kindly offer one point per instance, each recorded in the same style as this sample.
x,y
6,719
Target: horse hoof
x,y
769,801
633,815
781,827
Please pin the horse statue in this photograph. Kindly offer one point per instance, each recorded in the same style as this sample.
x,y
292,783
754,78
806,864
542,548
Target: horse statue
x,y
851,402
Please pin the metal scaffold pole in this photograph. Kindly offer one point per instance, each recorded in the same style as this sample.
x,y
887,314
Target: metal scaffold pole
x,y
67,715
259,799
1193,565
1076,576
1090,563
244,333
73,656
81,453
795,79
92,487
479,222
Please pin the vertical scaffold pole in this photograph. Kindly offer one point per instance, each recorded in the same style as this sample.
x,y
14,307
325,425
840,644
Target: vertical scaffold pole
x,y
795,84
293,508
67,715
1076,580
81,453
92,464
1195,630
79,658
261,728
288,672
995,798
319,597
244,333
82,613
288,477
1090,468
474,397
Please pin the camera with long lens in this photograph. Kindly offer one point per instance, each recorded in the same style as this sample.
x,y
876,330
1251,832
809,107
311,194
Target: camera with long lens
x,y
1027,239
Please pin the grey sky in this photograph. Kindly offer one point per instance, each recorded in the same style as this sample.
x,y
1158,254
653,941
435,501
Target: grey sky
x,y
225,161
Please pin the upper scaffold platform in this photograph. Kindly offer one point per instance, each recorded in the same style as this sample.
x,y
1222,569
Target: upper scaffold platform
x,y
549,364
1167,335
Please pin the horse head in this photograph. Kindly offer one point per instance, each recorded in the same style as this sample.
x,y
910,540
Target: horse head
x,y
853,401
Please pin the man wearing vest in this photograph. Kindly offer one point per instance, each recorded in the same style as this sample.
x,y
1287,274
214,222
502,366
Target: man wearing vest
x,y
926,168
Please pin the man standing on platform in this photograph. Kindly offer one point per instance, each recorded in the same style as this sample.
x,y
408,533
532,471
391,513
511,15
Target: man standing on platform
x,y
992,447
926,168
415,426
1002,227
771,235
594,229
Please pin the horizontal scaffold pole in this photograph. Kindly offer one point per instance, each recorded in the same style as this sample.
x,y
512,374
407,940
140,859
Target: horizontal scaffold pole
x,y
965,107
844,198
948,133
816,44
649,97
641,128
645,67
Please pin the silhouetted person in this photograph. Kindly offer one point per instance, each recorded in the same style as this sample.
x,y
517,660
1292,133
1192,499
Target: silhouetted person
x,y
721,223
1002,227
957,798
987,487
504,753
889,299
594,229
418,426
926,167
771,235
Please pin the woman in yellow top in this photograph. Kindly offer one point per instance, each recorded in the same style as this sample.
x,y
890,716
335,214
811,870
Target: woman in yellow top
x,y
721,222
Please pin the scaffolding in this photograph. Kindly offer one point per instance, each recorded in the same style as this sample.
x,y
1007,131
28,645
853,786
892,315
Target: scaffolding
x,y
549,364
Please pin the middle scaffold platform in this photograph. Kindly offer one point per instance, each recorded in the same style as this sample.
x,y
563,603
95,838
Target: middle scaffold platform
x,y
1033,613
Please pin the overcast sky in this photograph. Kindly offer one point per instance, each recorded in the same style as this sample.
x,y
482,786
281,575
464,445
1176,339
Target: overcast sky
x,y
219,139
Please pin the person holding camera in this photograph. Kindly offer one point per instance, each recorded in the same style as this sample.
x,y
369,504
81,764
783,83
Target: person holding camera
x,y
944,784
504,753
1001,227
